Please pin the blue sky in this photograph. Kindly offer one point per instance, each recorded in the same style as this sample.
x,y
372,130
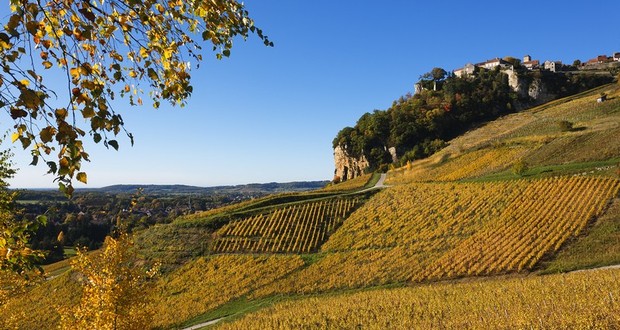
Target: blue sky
x,y
270,114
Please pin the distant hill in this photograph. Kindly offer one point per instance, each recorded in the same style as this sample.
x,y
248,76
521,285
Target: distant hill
x,y
251,188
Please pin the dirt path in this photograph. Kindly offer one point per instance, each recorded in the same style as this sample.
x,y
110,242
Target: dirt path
x,y
378,185
204,324
598,268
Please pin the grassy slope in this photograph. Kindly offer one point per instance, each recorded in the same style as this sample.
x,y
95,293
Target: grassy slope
x,y
534,136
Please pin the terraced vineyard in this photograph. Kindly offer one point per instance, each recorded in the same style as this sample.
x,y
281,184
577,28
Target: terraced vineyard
x,y
300,228
421,232
537,222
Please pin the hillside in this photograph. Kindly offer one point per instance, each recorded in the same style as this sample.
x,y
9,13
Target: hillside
x,y
444,107
458,240
536,137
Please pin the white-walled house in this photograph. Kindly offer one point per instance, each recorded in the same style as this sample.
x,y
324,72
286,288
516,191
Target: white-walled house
x,y
469,68
553,66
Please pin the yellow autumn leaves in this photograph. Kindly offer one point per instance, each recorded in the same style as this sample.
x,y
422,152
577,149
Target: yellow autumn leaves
x,y
114,290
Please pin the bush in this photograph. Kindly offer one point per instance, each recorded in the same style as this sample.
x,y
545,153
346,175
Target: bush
x,y
520,167
565,126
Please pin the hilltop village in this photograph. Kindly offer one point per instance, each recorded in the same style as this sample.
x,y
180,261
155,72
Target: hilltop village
x,y
530,64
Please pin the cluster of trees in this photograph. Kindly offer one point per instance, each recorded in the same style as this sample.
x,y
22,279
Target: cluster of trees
x,y
417,125
444,107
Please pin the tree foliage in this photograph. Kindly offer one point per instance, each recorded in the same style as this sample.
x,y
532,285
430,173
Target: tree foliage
x,y
116,290
65,62
15,255
17,259
417,125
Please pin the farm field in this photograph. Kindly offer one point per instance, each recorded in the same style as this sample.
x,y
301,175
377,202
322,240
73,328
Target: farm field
x,y
298,228
438,231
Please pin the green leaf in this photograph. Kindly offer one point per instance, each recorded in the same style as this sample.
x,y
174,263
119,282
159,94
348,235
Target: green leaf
x,y
97,137
41,219
152,74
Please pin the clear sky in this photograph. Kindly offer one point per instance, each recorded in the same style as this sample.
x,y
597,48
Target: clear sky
x,y
270,114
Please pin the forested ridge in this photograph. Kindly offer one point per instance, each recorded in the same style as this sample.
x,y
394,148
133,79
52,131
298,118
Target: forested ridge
x,y
419,124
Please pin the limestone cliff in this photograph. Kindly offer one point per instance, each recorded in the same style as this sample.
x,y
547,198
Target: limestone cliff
x,y
348,166
525,86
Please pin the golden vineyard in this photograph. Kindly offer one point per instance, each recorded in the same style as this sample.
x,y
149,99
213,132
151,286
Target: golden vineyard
x,y
585,300
299,228
434,231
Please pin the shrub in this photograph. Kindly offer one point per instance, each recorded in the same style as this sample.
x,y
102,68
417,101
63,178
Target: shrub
x,y
565,126
520,167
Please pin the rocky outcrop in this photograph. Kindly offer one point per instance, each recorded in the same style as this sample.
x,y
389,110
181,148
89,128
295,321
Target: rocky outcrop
x,y
348,166
534,88
392,151
539,93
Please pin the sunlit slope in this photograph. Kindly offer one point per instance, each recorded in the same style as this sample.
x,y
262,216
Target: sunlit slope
x,y
536,137
296,228
587,300
291,223
206,283
352,184
39,308
436,231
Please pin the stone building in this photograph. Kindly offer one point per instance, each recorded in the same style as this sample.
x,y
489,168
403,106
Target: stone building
x,y
530,64
468,69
